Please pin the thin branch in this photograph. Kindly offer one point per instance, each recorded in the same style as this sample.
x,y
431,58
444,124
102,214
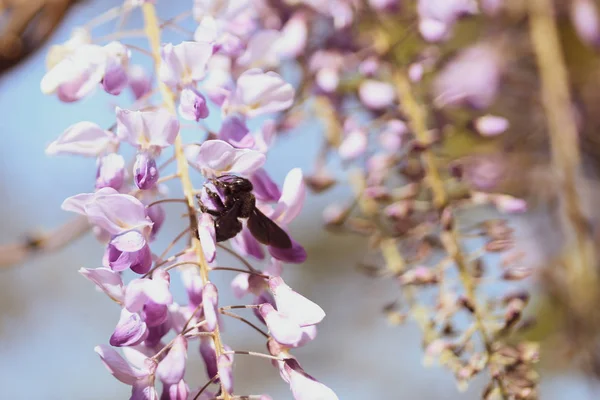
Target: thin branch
x,y
244,320
46,242
240,270
242,259
213,379
255,354
450,237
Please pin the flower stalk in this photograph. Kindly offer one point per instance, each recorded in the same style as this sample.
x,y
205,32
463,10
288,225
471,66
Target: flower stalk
x,y
152,30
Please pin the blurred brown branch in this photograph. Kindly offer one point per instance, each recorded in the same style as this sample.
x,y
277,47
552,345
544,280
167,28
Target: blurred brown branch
x,y
36,243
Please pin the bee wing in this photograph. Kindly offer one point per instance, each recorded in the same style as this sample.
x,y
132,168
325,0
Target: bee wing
x,y
266,231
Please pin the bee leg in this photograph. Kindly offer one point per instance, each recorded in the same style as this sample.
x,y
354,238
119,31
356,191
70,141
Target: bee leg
x,y
205,209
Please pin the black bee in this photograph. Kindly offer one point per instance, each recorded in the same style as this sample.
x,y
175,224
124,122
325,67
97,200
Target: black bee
x,y
241,203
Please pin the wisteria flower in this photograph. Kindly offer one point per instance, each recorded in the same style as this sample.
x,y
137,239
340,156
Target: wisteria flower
x,y
192,105
147,130
304,386
184,63
112,211
259,93
140,379
216,157
83,138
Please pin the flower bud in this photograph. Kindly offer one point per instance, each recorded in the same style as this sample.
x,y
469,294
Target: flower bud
x,y
145,171
111,171
192,105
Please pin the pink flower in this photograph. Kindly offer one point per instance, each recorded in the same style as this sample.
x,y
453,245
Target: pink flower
x,y
140,292
178,391
184,63
376,95
584,15
436,17
192,105
262,50
303,311
210,300
145,170
77,75
129,250
148,130
107,280
234,131
225,369
216,157
292,198
491,125
304,386
112,211
208,237
130,330
354,144
111,171
83,138
471,78
141,379
115,76
139,81
294,35
247,245
172,368
284,329
264,187
259,93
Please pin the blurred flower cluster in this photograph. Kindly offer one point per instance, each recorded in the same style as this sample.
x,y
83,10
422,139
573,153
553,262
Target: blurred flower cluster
x,y
396,84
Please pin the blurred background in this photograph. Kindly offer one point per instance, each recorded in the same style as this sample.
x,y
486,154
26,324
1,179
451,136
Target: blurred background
x,y
51,317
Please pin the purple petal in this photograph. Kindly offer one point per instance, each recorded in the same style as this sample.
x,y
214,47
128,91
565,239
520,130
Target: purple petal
x,y
77,75
129,250
157,215
209,355
294,305
210,300
292,197
294,36
584,15
115,79
281,327
155,314
107,280
147,129
83,138
207,236
235,132
192,105
216,157
172,368
264,187
247,245
117,366
116,213
354,144
178,391
139,81
192,281
156,333
111,171
184,63
139,291
262,50
259,93
144,389
130,330
471,78
304,386
491,125
295,255
376,95
225,369
145,171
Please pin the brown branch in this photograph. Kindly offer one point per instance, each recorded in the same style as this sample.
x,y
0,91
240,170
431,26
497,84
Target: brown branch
x,y
46,242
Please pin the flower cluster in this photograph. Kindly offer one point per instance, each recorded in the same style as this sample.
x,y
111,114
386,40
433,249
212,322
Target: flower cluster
x,y
397,91
223,67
